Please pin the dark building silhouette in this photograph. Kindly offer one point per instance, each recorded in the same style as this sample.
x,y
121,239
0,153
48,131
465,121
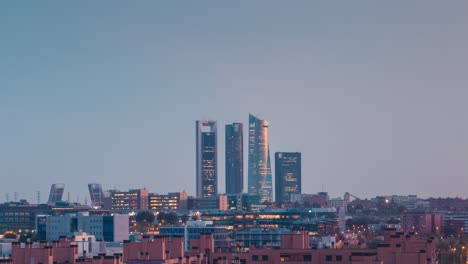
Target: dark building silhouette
x,y
287,176
206,159
259,179
234,158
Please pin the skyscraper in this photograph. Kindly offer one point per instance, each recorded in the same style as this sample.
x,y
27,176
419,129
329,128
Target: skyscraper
x,y
96,194
206,155
56,193
287,176
259,159
234,158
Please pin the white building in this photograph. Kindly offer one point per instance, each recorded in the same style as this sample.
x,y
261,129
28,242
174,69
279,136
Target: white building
x,y
113,228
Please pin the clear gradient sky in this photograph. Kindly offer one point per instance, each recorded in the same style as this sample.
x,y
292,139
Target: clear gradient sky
x,y
374,94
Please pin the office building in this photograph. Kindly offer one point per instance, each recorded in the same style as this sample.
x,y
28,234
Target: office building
x,y
56,193
135,199
259,179
96,194
287,176
219,202
114,228
206,159
234,158
193,230
170,201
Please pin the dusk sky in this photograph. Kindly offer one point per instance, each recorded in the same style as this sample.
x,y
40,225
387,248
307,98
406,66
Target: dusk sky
x,y
374,94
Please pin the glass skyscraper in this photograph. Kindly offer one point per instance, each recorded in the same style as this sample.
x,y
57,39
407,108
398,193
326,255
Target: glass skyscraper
x,y
287,176
234,158
56,193
206,159
259,160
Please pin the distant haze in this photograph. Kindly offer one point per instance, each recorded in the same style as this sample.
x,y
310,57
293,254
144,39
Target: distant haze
x,y
374,94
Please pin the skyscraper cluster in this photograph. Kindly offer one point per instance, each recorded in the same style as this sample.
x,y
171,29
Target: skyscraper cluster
x,y
288,165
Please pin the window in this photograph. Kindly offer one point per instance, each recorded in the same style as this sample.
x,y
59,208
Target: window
x,y
265,257
339,258
255,257
328,258
307,257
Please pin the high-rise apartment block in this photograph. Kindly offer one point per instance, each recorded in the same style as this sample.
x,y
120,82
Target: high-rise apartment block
x,y
234,158
287,176
259,178
206,159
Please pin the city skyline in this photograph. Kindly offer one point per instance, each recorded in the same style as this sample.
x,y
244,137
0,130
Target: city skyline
x,y
372,94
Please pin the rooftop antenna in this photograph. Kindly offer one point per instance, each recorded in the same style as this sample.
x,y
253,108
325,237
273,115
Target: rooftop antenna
x,y
7,197
38,197
16,197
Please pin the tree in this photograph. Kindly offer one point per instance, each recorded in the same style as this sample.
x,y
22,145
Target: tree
x,y
144,220
170,218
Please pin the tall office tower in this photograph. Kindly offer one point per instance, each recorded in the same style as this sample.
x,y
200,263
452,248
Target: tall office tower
x,y
206,155
259,160
287,176
234,158
56,193
96,194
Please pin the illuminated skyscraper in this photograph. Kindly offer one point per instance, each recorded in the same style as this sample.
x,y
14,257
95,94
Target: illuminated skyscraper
x,y
56,193
234,158
287,176
206,155
259,160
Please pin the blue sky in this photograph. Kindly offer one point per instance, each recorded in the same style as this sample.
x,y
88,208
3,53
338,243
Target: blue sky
x,y
374,94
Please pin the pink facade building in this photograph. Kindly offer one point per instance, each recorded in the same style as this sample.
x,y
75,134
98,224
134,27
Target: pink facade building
x,y
421,222
60,251
399,248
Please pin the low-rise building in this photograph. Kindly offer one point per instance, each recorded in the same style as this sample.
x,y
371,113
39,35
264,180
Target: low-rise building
x,y
193,230
133,199
400,248
102,227
171,201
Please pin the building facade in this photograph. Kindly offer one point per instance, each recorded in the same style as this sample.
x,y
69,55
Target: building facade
x,y
56,193
287,176
206,159
170,201
259,178
234,158
96,194
113,228
134,199
295,248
